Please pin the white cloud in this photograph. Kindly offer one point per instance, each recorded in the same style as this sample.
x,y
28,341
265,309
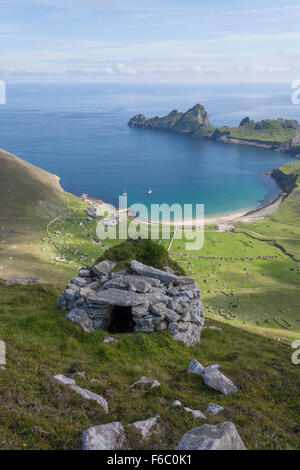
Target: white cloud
x,y
124,70
143,15
108,71
262,68
272,37
196,69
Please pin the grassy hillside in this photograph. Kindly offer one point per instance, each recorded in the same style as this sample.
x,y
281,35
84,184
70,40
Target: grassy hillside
x,y
29,199
28,194
278,131
38,413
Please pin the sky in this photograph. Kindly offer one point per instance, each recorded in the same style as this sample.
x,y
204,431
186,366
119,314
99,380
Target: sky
x,y
150,40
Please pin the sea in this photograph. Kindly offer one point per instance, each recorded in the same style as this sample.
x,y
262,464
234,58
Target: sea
x,y
79,132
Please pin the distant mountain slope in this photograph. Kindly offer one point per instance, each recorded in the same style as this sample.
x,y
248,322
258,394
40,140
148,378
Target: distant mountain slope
x,y
194,121
277,134
29,199
27,193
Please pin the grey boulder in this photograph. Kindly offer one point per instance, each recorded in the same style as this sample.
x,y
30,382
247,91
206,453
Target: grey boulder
x,y
104,437
207,437
195,413
64,380
212,377
81,391
91,396
145,383
147,427
213,409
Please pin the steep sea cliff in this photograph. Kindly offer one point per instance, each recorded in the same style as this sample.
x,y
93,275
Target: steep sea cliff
x,y
281,134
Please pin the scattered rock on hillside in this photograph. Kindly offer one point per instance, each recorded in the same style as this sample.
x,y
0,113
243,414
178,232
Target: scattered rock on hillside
x,y
81,391
148,300
145,383
112,436
64,380
110,339
207,437
176,403
213,409
195,413
215,328
147,427
81,373
104,437
195,367
91,396
212,377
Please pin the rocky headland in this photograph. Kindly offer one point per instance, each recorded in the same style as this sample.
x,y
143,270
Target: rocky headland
x,y
281,134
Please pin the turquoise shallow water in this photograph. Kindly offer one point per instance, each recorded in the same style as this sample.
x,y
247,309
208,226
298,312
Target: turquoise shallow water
x,y
80,133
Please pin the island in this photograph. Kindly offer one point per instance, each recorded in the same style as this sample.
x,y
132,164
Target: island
x,y
276,134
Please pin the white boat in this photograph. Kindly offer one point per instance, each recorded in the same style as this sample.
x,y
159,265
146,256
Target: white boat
x,y
150,191
124,194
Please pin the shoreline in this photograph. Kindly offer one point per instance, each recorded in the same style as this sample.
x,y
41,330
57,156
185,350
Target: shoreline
x,y
248,215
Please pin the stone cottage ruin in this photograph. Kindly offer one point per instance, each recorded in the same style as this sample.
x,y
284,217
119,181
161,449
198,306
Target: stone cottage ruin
x,y
146,299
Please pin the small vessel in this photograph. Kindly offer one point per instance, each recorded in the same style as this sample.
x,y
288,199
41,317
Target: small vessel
x,y
150,191
124,194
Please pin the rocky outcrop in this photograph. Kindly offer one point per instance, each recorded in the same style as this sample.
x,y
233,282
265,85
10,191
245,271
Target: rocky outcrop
x,y
287,182
145,299
244,121
207,437
195,122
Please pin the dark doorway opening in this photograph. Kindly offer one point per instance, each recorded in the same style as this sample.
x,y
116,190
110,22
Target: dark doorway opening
x,y
121,320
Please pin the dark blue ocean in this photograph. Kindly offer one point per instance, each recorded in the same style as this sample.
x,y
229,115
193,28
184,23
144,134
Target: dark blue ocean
x,y
80,133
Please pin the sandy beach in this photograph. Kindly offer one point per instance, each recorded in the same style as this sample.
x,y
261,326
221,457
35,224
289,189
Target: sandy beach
x,y
224,222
